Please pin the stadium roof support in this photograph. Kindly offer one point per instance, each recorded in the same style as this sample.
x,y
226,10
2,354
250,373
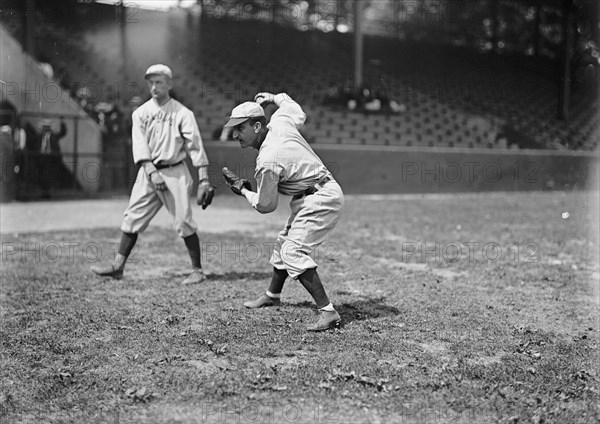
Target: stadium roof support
x,y
29,25
567,55
358,44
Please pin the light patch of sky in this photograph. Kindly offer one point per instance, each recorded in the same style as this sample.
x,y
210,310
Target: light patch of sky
x,y
153,4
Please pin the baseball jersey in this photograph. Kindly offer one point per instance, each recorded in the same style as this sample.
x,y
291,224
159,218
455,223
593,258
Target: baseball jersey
x,y
286,163
163,134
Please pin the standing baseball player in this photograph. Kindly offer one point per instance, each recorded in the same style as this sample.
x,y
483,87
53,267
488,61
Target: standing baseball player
x,y
164,132
286,164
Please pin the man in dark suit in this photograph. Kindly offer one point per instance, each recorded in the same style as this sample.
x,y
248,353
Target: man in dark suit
x,y
44,153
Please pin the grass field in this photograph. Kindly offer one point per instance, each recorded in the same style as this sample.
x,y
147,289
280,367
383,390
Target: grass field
x,y
477,308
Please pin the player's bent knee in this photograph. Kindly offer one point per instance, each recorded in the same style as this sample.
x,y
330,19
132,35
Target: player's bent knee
x,y
184,231
295,259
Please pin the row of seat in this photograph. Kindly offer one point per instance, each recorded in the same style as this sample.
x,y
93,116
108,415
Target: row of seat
x,y
449,100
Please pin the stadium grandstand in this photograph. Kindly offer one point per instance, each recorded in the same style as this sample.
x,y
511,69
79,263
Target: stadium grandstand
x,y
484,74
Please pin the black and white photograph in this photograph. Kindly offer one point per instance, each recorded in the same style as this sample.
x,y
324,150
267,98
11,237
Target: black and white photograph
x,y
300,212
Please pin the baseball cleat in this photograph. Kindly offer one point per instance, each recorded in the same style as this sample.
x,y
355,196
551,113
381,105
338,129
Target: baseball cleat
x,y
108,271
196,277
262,302
326,321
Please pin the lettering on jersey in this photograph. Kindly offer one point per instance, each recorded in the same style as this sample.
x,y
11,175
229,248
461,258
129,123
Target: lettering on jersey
x,y
158,118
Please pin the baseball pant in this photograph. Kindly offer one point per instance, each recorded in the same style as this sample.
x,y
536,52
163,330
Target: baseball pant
x,y
313,218
146,201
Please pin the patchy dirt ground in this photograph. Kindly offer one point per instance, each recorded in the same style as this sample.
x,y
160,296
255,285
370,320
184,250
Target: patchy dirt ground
x,y
458,309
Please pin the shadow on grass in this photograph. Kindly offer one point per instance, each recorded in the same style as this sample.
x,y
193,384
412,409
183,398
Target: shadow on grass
x,y
365,309
235,275
357,311
304,304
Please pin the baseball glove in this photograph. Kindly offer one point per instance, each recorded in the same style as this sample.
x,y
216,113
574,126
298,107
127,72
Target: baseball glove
x,y
205,194
236,183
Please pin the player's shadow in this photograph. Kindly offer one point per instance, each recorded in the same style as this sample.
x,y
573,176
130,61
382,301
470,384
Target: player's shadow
x,y
365,308
359,310
236,275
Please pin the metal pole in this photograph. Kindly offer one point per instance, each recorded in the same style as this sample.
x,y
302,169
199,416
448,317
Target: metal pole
x,y
122,11
495,26
75,149
358,44
30,27
202,10
565,83
536,34
396,6
338,9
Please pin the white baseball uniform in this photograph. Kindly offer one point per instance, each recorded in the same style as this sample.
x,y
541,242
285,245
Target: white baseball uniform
x,y
286,164
162,136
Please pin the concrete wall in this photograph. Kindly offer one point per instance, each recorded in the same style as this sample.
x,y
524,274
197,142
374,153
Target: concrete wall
x,y
380,170
37,97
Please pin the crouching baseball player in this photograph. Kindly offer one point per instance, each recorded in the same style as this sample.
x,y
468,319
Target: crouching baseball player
x,y
164,132
286,164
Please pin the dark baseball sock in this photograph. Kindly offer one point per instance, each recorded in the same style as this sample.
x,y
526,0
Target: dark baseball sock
x,y
279,277
312,283
193,247
127,242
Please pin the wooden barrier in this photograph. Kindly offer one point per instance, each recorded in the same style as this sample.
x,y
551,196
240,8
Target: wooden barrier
x,y
387,169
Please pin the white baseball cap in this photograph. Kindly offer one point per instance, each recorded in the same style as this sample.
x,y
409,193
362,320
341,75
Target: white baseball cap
x,y
159,69
243,112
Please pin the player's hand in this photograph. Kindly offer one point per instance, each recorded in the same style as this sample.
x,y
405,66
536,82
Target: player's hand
x,y
205,194
262,98
236,183
157,181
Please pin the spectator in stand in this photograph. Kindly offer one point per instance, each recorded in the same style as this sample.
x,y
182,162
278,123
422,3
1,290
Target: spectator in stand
x,y
101,109
366,98
44,153
341,95
334,95
381,100
114,122
47,70
109,118
46,67
585,65
19,143
83,97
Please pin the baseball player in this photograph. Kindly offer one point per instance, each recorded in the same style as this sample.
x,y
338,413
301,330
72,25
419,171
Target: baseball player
x,y
286,164
163,133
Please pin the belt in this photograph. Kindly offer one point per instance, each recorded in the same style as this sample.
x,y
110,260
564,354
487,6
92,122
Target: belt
x,y
314,188
164,166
